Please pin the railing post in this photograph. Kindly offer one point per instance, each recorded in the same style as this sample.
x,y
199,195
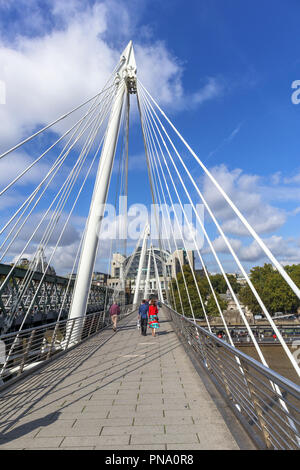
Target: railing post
x,y
99,319
221,367
181,326
70,333
91,326
52,340
259,412
26,353
106,314
203,347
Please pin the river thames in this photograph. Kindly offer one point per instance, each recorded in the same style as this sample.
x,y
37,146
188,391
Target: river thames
x,y
276,359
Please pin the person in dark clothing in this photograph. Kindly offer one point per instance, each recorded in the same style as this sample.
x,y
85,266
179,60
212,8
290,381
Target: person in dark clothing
x,y
143,316
114,311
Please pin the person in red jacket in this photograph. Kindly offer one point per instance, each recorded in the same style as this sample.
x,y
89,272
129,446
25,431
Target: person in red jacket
x,y
153,318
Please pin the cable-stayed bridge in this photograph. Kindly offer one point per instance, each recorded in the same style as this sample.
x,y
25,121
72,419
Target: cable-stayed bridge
x,y
67,381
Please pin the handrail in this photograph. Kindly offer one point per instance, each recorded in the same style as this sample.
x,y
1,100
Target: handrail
x,y
237,352
27,349
266,403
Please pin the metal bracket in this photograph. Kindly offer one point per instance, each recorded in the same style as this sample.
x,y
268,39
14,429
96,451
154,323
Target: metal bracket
x,y
130,79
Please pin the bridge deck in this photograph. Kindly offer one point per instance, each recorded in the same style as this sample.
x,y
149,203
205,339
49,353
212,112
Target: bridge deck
x,y
115,391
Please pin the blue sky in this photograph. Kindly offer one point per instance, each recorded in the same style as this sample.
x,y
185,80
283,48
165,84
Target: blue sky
x,y
222,70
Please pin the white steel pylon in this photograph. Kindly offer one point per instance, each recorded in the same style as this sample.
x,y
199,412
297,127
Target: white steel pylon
x,y
141,264
146,291
124,84
159,289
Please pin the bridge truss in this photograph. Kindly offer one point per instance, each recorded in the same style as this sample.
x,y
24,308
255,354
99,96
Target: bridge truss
x,y
53,300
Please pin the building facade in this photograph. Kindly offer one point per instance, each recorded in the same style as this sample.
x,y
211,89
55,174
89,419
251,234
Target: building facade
x,y
167,265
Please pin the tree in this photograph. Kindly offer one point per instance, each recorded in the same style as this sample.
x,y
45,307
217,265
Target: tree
x,y
220,285
205,291
212,308
191,290
274,291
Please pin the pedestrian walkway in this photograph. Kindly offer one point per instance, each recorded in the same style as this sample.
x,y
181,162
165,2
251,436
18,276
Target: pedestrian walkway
x,y
115,391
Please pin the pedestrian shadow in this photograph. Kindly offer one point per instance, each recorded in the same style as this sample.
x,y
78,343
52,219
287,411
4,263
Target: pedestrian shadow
x,y
27,428
125,328
160,333
47,381
43,383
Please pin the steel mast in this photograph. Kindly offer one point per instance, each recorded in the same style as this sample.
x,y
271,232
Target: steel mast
x,y
141,264
125,82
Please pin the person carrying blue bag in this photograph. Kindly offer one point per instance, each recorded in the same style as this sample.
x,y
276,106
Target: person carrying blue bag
x,y
143,316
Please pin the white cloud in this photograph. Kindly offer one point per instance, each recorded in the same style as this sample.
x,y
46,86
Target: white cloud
x,y
244,191
285,250
212,89
221,247
64,258
46,76
71,234
65,57
292,179
8,201
15,164
68,60
276,177
264,219
295,211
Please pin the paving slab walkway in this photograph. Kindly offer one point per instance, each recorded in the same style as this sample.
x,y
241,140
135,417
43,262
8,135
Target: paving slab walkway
x,y
115,391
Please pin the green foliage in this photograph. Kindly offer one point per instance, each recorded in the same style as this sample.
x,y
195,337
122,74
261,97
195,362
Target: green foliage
x,y
181,297
273,290
187,283
212,308
220,285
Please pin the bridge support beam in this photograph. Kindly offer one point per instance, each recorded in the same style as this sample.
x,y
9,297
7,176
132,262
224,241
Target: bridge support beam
x,y
141,264
97,208
159,289
146,291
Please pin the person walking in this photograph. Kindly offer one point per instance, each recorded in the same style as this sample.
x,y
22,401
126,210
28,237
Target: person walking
x,y
153,317
114,311
143,316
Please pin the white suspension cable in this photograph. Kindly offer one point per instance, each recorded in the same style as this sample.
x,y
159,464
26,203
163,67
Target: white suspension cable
x,y
58,162
45,128
274,386
202,226
152,193
195,243
54,171
175,213
41,196
64,197
155,197
61,234
52,124
150,151
284,274
64,185
43,276
286,349
91,110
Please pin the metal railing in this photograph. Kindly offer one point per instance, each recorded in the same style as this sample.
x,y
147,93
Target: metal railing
x,y
266,403
23,350
263,334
